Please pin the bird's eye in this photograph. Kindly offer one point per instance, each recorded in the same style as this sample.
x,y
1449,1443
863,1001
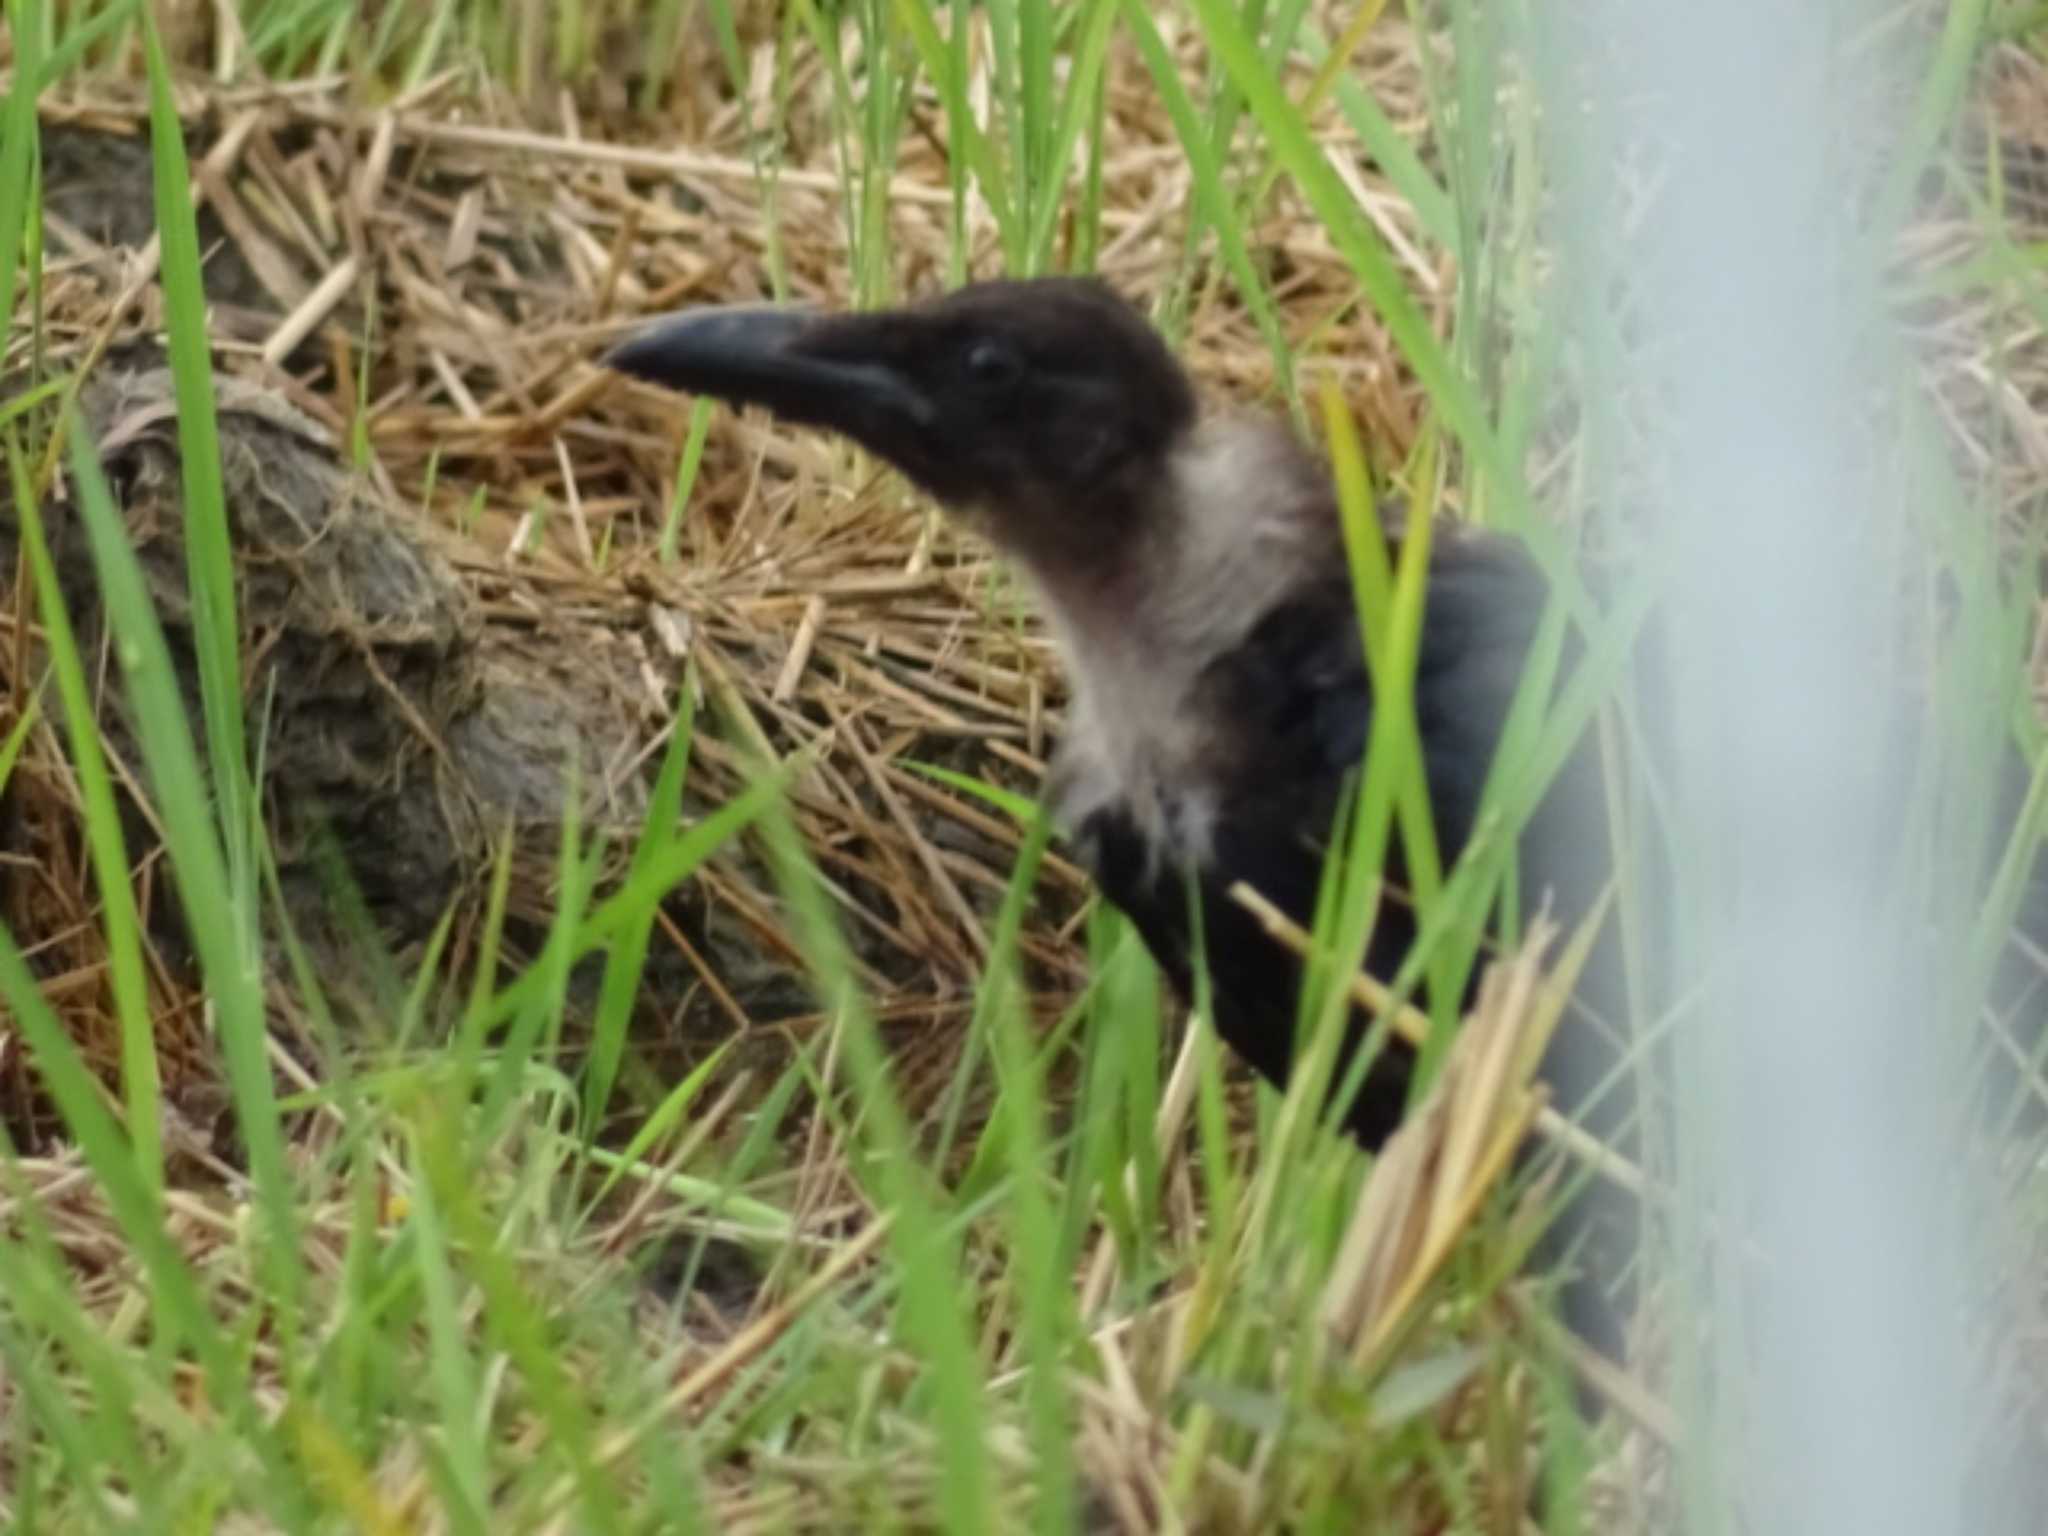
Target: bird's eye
x,y
991,364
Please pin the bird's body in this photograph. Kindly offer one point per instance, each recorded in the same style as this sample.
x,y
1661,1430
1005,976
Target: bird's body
x,y
1221,708
1241,527
1193,573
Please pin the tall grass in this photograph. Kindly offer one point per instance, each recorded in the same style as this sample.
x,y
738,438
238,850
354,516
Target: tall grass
x,y
407,1311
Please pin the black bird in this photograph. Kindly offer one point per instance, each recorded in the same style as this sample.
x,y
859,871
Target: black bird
x,y
1193,572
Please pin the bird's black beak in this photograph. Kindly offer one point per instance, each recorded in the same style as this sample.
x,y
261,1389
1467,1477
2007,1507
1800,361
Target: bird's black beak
x,y
823,370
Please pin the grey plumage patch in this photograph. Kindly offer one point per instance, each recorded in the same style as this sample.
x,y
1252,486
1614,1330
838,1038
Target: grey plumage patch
x,y
1239,516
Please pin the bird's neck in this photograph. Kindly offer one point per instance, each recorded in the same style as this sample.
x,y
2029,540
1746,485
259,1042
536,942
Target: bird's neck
x,y
1204,545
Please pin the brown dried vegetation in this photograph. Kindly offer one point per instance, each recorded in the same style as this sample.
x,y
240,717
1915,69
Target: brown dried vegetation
x,y
456,607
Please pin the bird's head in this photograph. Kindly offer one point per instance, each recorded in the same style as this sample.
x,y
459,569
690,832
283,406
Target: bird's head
x,y
1032,403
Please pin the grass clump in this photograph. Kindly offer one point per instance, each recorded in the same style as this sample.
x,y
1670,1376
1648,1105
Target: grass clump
x,y
760,1130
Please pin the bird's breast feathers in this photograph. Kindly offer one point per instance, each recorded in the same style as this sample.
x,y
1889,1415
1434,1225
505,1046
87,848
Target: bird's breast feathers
x,y
1237,527
1144,755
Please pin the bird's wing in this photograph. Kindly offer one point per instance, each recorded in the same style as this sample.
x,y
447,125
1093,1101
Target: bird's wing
x,y
1294,700
1298,687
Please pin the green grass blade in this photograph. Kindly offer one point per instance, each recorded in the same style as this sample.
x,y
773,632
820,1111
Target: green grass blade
x,y
511,1316
930,1315
181,1309
141,1084
233,980
947,70
1963,32
208,545
1084,86
627,959
1363,250
686,477
18,143
1212,197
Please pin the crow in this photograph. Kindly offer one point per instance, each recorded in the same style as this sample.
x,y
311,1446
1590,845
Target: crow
x,y
1191,567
